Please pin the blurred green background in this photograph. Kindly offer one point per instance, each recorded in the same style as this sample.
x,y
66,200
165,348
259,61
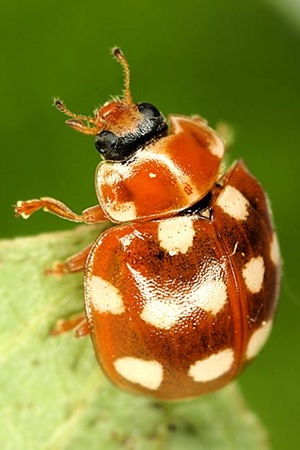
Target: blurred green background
x,y
230,61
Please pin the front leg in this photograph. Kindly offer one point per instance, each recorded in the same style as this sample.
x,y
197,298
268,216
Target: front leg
x,y
91,215
73,264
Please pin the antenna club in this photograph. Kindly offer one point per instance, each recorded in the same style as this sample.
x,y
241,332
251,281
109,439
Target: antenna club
x,y
117,53
58,103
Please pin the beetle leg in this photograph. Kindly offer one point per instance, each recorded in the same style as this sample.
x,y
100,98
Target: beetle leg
x,y
75,263
82,328
77,323
91,215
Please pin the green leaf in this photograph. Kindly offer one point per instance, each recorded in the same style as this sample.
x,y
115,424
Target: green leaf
x,y
54,395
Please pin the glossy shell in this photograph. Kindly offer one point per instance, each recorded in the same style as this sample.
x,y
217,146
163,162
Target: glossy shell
x,y
177,307
163,178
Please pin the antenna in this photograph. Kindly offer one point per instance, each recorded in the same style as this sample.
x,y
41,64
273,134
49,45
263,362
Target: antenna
x,y
117,53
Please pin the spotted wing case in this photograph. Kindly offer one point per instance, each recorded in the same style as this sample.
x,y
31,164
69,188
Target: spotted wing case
x,y
178,306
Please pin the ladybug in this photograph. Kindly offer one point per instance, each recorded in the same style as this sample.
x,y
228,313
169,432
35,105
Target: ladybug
x,y
181,291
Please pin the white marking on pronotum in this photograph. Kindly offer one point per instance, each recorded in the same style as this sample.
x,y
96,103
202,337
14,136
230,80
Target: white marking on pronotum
x,y
217,147
169,164
148,374
258,339
105,297
176,235
124,211
212,367
233,203
275,250
253,274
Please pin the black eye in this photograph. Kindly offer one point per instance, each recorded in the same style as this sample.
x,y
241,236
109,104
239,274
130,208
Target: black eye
x,y
105,143
148,110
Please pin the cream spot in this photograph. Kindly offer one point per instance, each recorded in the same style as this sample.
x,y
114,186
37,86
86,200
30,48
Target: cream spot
x,y
210,296
258,339
275,250
124,211
233,203
152,175
166,312
176,235
217,148
105,297
253,274
162,314
148,374
212,367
